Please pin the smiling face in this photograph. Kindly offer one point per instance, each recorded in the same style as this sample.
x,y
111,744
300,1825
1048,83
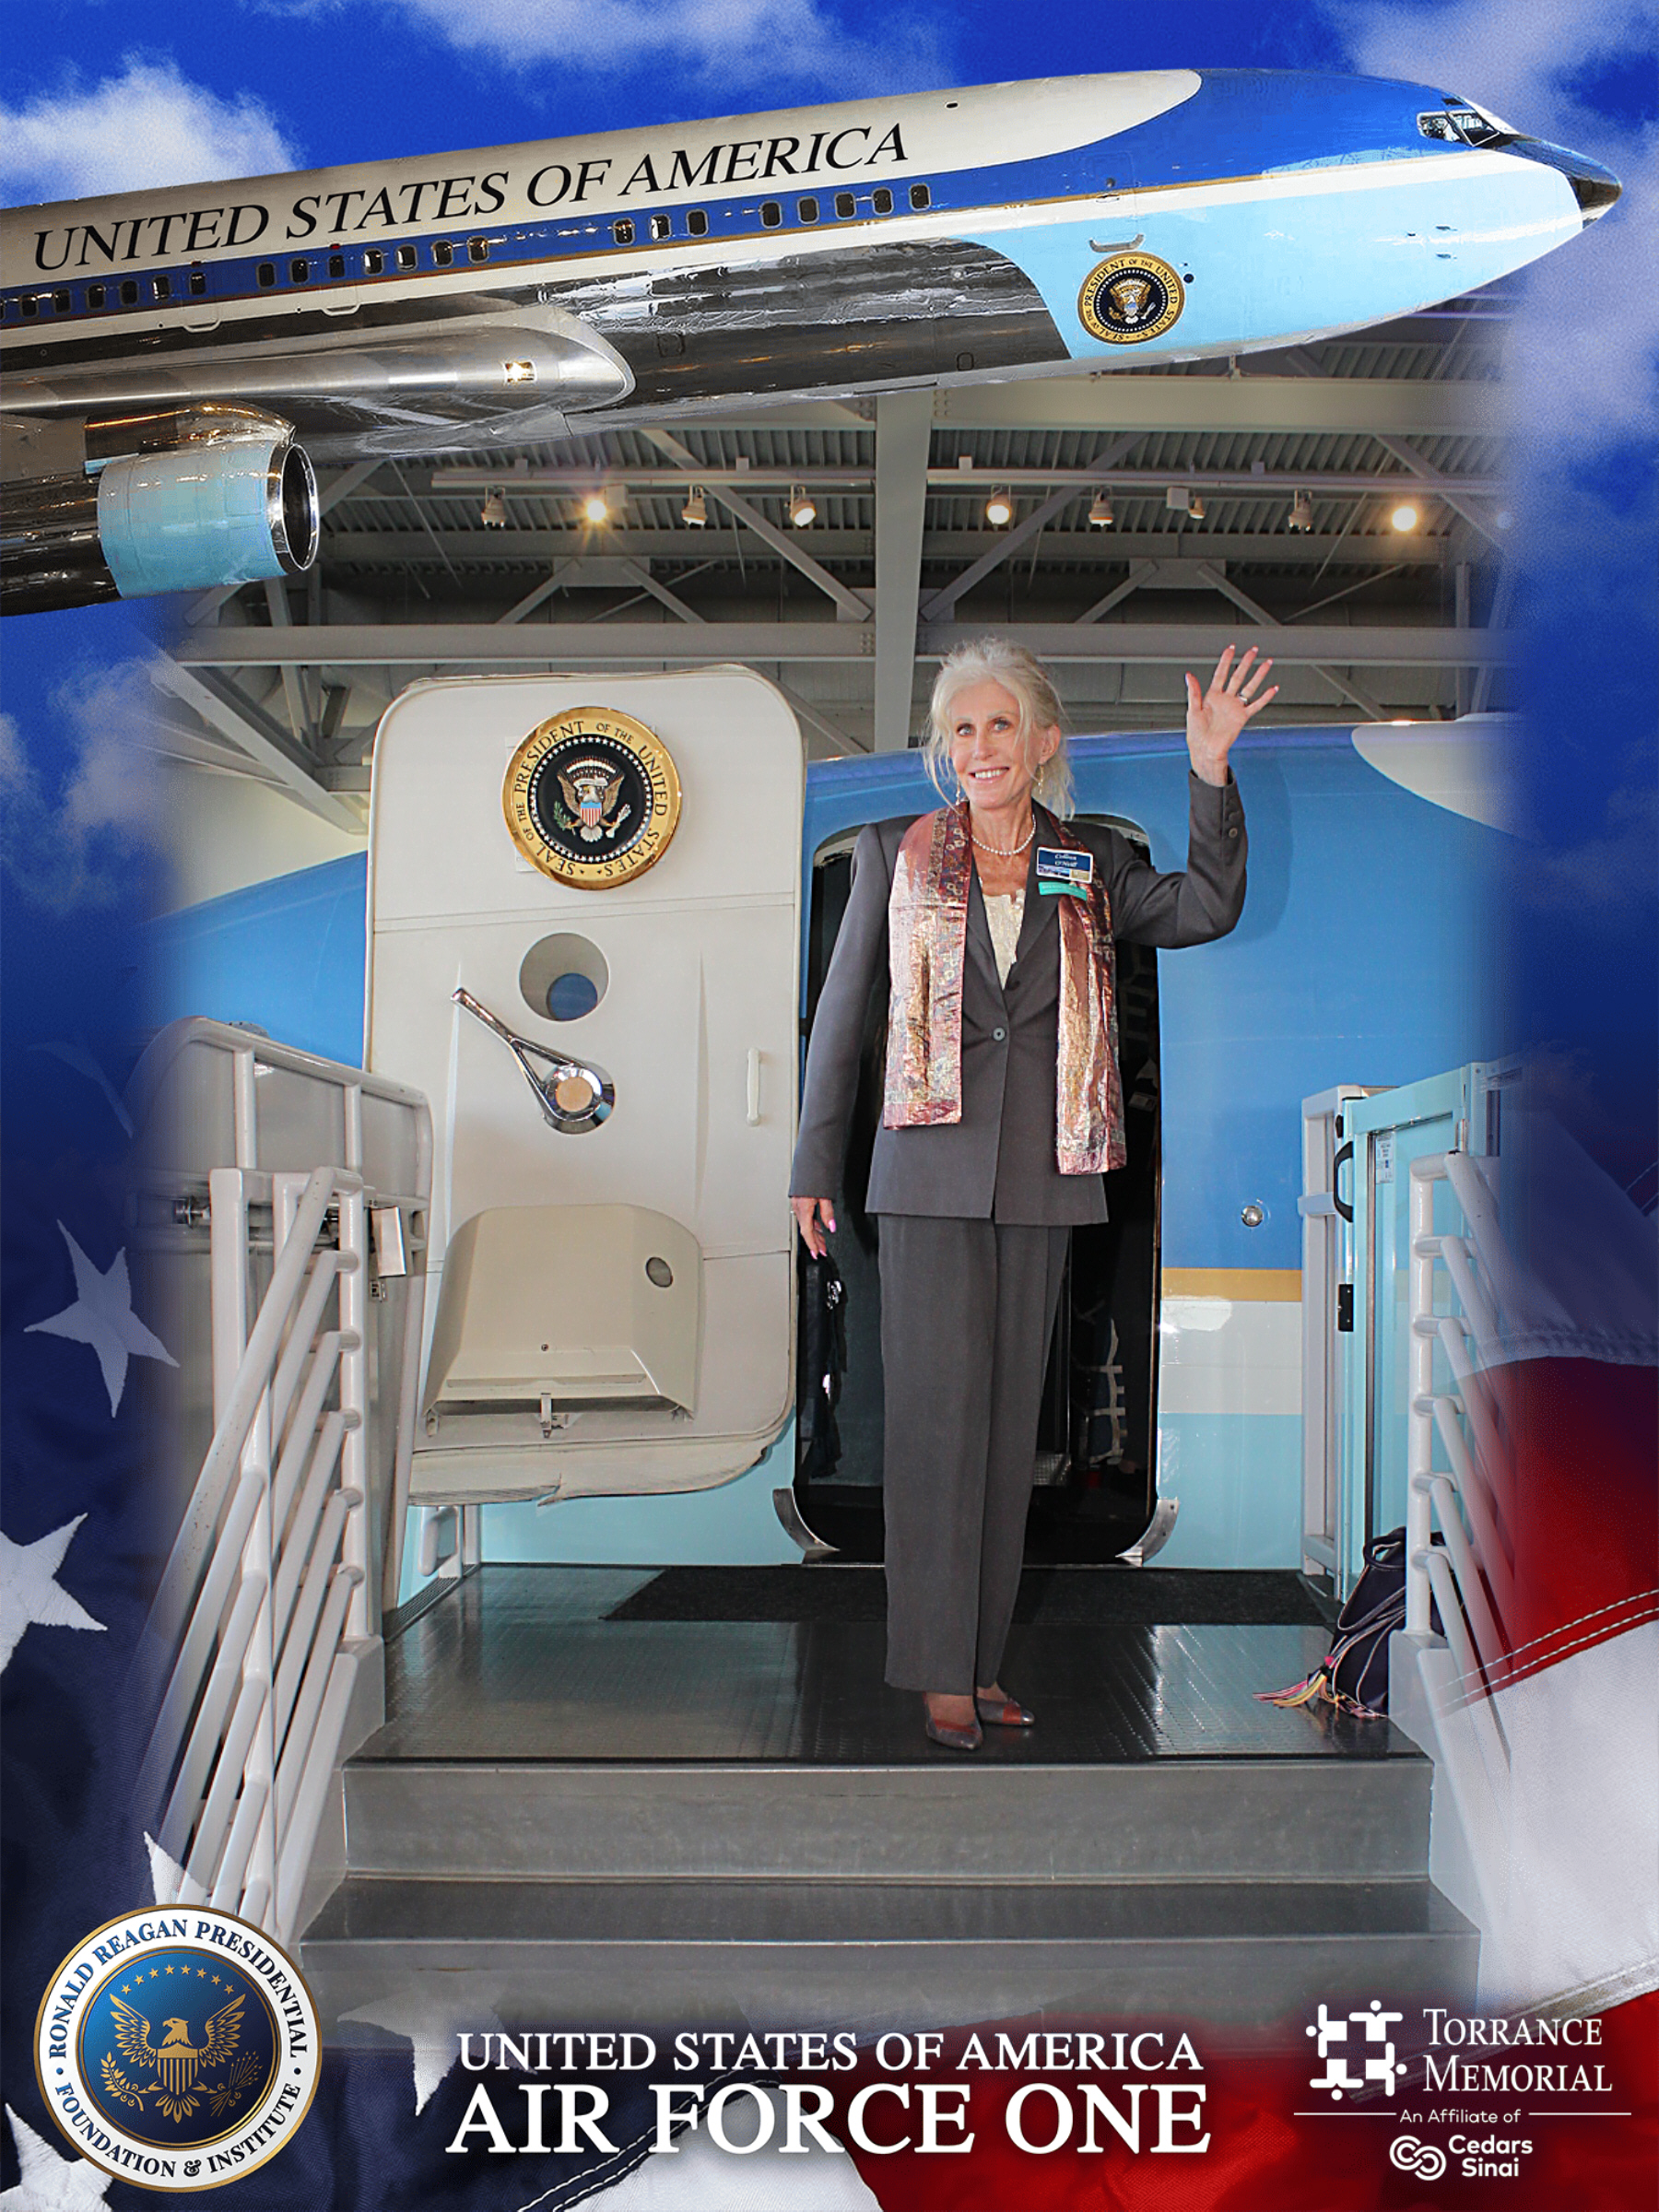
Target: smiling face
x,y
997,763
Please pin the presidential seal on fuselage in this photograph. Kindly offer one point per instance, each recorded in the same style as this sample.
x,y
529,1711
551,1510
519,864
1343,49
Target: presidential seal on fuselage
x,y
592,798
1131,298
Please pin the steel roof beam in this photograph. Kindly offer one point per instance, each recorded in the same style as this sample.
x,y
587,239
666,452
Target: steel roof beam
x,y
940,603
849,606
251,729
903,438
627,644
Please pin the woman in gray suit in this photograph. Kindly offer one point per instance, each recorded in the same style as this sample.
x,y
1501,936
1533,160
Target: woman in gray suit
x,y
994,922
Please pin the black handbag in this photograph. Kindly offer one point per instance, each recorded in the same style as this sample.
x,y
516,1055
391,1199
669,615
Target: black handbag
x,y
1353,1675
820,1362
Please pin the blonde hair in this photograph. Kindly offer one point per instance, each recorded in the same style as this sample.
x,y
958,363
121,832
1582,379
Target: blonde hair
x,y
1023,674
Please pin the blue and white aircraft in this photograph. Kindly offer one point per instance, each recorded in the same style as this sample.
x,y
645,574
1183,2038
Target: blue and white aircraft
x,y
173,358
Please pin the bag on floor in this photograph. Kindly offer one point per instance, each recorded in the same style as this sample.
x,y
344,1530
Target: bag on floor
x,y
1353,1675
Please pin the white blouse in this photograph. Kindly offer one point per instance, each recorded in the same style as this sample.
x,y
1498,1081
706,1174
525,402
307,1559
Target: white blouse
x,y
1005,913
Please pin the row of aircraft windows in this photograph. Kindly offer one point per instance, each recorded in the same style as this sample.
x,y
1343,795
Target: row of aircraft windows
x,y
304,268
807,210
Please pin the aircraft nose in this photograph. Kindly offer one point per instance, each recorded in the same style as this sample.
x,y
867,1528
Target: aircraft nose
x,y
1593,187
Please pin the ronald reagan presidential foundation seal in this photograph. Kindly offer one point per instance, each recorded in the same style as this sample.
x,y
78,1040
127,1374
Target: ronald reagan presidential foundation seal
x,y
592,798
177,2047
1130,299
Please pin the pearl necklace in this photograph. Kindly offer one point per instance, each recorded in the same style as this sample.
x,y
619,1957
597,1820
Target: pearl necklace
x,y
1006,852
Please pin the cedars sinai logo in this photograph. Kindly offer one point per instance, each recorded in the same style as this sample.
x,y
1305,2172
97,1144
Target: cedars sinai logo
x,y
178,2048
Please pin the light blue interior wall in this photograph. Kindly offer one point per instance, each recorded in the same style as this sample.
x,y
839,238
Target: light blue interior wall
x,y
1238,1477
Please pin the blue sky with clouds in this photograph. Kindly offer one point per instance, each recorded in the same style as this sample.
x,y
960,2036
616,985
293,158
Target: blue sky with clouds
x,y
97,94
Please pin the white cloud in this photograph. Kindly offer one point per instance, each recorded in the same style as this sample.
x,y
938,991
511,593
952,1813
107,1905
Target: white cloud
x,y
728,44
148,126
1584,349
76,845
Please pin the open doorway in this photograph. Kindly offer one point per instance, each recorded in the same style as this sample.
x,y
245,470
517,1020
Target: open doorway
x,y
1094,1490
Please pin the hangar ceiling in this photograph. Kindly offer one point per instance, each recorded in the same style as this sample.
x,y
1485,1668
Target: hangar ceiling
x,y
1249,500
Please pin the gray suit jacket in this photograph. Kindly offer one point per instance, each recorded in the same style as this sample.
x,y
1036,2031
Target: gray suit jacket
x,y
999,1161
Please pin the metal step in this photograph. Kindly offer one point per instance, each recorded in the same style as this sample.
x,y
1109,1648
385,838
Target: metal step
x,y
864,1954
1213,1819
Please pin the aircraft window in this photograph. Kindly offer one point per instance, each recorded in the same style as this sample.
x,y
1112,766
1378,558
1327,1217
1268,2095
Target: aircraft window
x,y
882,200
199,283
62,302
30,307
266,274
1437,126
407,257
921,197
697,222
844,205
443,253
478,249
661,227
807,210
336,265
563,977
300,270
95,295
623,232
1474,128
374,261
771,215
129,287
161,287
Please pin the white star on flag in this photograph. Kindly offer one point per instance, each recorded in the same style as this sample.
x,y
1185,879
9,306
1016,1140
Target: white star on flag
x,y
102,1316
29,1590
429,2021
50,2183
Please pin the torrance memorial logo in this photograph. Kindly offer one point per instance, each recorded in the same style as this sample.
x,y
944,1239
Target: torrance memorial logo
x,y
177,2049
1372,2046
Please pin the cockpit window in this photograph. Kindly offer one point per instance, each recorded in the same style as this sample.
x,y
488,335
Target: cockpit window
x,y
1461,123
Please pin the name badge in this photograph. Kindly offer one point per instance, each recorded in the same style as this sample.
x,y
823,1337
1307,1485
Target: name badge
x,y
1061,868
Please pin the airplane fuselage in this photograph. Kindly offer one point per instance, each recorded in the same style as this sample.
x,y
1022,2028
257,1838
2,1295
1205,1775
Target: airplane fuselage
x,y
998,231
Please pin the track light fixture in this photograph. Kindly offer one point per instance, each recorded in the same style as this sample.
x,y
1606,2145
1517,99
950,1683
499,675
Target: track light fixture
x,y
802,512
1100,512
999,509
1301,512
696,510
1405,516
493,513
1196,507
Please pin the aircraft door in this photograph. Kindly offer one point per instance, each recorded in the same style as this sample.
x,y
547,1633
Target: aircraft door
x,y
583,915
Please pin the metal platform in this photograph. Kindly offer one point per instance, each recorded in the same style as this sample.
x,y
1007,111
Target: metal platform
x,y
641,1822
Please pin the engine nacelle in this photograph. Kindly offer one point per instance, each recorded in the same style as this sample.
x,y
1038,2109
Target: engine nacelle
x,y
202,501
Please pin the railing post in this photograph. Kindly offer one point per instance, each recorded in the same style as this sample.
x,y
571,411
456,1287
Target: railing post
x,y
354,1400
1419,1449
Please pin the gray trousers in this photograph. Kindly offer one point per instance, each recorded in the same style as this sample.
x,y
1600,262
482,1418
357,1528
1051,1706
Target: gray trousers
x,y
967,1312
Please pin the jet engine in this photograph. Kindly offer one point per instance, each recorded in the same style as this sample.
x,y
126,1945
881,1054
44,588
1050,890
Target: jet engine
x,y
178,501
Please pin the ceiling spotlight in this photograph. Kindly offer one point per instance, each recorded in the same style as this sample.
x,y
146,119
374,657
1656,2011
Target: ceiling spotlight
x,y
1301,512
1196,508
493,513
595,508
696,510
999,509
801,509
1100,512
1405,516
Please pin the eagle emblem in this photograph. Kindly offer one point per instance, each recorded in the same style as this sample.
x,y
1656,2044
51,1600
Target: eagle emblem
x,y
591,790
176,2061
1131,298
